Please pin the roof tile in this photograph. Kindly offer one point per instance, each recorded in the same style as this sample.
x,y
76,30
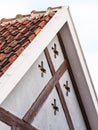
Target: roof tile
x,y
1,44
31,37
12,58
42,24
19,51
5,67
37,30
17,33
13,43
2,56
26,44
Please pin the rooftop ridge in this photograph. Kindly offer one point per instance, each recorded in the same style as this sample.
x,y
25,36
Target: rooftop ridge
x,y
34,13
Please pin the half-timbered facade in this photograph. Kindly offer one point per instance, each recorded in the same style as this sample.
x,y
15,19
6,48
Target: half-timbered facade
x,y
45,83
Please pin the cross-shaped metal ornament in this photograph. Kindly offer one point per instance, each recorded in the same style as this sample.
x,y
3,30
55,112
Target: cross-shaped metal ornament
x,y
67,88
41,68
55,107
55,50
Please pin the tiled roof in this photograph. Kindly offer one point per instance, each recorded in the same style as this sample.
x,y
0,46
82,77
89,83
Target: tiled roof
x,y
17,33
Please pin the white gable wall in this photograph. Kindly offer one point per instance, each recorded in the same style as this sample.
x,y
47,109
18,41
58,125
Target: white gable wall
x,y
46,120
28,89
9,79
12,77
31,85
3,126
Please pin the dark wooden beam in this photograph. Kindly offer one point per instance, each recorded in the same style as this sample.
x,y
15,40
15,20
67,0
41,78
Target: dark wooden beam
x,y
44,94
74,84
12,120
58,88
64,106
15,128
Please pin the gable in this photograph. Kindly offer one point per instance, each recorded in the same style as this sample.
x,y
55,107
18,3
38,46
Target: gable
x,y
70,41
9,79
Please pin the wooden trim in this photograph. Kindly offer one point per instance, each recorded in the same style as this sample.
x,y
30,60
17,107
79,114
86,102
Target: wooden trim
x,y
44,94
51,66
64,106
74,84
15,128
58,88
12,120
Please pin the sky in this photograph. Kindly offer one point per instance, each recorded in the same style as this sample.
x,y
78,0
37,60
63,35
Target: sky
x,y
85,17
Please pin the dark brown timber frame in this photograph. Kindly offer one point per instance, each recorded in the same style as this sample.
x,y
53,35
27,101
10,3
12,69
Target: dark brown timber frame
x,y
25,123
44,94
74,84
58,87
12,120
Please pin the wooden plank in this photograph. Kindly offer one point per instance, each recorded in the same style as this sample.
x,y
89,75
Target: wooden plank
x,y
74,84
44,94
58,88
12,120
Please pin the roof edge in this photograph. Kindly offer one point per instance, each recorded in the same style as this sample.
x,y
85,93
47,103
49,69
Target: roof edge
x,y
9,79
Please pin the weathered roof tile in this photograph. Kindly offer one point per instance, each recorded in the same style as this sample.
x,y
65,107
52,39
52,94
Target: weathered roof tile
x,y
31,37
2,56
26,44
17,33
12,58
37,30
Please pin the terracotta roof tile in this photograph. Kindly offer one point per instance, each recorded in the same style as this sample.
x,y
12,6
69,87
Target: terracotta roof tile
x,y
37,30
42,24
31,37
1,44
13,43
17,33
26,44
6,67
19,51
12,58
2,56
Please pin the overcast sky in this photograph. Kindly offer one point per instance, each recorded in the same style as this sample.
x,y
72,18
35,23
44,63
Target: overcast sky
x,y
85,17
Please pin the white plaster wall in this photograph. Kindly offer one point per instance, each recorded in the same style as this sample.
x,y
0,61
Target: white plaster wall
x,y
59,58
3,126
80,72
72,103
28,89
46,120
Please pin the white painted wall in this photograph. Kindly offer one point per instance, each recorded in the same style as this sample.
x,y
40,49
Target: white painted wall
x,y
80,72
9,79
3,126
31,85
46,120
59,58
71,100
72,103
28,89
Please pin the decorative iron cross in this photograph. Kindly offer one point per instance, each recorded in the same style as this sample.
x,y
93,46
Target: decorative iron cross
x,y
55,108
55,50
41,68
67,88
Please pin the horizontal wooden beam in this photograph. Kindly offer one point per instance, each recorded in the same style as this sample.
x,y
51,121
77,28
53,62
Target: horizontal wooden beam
x,y
44,94
12,120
